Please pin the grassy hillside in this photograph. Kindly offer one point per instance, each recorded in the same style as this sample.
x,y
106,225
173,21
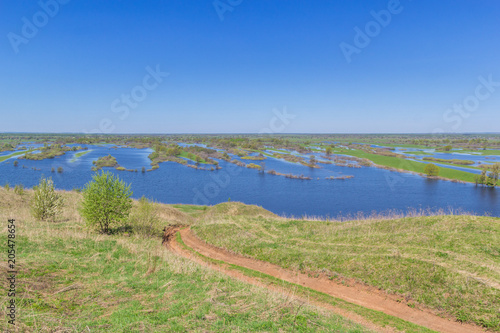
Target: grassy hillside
x,y
73,280
448,263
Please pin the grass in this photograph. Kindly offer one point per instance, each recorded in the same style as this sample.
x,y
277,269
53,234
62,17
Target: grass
x,y
80,154
376,317
105,161
447,263
3,158
191,210
409,165
452,161
73,280
192,157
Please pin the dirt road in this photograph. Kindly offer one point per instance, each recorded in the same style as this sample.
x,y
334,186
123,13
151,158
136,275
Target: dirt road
x,y
363,296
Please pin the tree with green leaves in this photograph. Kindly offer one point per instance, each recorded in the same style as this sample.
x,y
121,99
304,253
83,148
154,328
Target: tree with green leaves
x,y
106,201
493,175
46,203
431,170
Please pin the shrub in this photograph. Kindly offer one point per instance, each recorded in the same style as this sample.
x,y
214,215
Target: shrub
x,y
431,170
7,186
144,219
19,189
106,201
46,203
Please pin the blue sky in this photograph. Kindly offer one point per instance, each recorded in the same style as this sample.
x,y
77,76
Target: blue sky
x,y
231,68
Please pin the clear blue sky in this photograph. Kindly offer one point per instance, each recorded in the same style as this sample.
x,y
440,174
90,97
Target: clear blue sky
x,y
229,75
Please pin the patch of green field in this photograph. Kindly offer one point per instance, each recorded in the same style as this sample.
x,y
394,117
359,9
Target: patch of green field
x,y
191,210
448,263
73,280
5,157
80,154
410,165
192,157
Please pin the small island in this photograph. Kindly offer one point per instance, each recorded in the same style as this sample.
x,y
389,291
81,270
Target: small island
x,y
105,161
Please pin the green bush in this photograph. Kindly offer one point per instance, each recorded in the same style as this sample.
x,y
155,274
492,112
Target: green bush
x,y
46,203
19,189
106,201
144,219
7,186
431,170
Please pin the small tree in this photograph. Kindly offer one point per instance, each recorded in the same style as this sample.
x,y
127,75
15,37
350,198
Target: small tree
x,y
46,203
431,170
106,201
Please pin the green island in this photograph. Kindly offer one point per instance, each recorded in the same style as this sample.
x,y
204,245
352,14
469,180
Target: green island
x,y
104,162
50,151
80,154
5,157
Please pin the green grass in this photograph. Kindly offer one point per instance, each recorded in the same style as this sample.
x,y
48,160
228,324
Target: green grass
x,y
80,154
3,158
409,165
192,157
72,280
376,317
191,210
448,263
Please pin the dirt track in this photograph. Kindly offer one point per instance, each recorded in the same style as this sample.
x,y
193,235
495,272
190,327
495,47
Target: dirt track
x,y
372,299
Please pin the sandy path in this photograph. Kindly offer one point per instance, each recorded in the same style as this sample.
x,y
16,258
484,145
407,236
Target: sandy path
x,y
366,297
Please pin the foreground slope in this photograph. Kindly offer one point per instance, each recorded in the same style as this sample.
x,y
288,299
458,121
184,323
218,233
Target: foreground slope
x,y
450,264
73,280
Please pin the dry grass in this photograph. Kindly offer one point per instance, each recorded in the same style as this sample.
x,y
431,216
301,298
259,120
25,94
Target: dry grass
x,y
447,262
72,280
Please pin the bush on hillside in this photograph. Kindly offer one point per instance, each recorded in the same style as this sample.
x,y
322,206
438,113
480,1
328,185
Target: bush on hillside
x,y
144,219
106,201
46,203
